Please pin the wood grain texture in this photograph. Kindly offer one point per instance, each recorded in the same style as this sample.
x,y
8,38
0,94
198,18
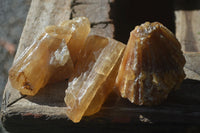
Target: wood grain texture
x,y
192,68
46,110
187,30
187,14
97,11
41,14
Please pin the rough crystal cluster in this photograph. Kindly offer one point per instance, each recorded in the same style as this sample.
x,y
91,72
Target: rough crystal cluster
x,y
144,72
152,65
48,59
94,77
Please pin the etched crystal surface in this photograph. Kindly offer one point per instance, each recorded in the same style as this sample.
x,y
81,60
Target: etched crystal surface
x,y
90,84
48,59
152,65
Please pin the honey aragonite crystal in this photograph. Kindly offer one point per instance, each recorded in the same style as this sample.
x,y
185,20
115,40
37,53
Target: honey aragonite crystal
x,y
104,91
48,59
81,28
152,65
94,78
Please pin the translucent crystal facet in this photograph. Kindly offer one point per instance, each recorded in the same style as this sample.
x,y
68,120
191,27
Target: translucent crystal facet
x,y
152,65
89,86
48,59
81,28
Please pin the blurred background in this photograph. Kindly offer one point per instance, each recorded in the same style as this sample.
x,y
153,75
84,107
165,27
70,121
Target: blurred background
x,y
12,19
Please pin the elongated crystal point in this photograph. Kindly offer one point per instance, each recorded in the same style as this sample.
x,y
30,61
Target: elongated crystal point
x,y
90,85
48,59
104,91
152,65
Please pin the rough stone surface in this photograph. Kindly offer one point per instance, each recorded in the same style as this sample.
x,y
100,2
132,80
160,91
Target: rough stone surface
x,y
152,65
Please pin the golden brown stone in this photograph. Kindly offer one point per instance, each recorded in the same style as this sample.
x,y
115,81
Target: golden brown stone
x,y
104,91
94,77
48,59
152,65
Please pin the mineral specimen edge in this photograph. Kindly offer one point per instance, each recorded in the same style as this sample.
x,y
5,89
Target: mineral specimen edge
x,y
152,65
94,77
48,59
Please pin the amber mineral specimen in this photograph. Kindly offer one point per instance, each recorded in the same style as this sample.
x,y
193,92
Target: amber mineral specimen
x,y
152,65
81,28
94,77
48,59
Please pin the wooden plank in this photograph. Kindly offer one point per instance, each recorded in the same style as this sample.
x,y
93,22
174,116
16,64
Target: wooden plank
x,y
188,32
97,11
103,29
187,20
46,111
41,14
192,69
187,14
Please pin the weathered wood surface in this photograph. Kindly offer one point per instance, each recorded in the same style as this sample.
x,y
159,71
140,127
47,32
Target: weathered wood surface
x,y
48,107
187,24
188,31
98,13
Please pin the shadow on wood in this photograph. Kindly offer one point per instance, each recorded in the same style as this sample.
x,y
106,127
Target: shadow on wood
x,y
180,112
52,95
182,106
188,94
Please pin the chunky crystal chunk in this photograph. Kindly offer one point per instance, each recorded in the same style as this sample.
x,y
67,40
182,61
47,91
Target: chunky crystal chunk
x,y
94,77
152,65
48,59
